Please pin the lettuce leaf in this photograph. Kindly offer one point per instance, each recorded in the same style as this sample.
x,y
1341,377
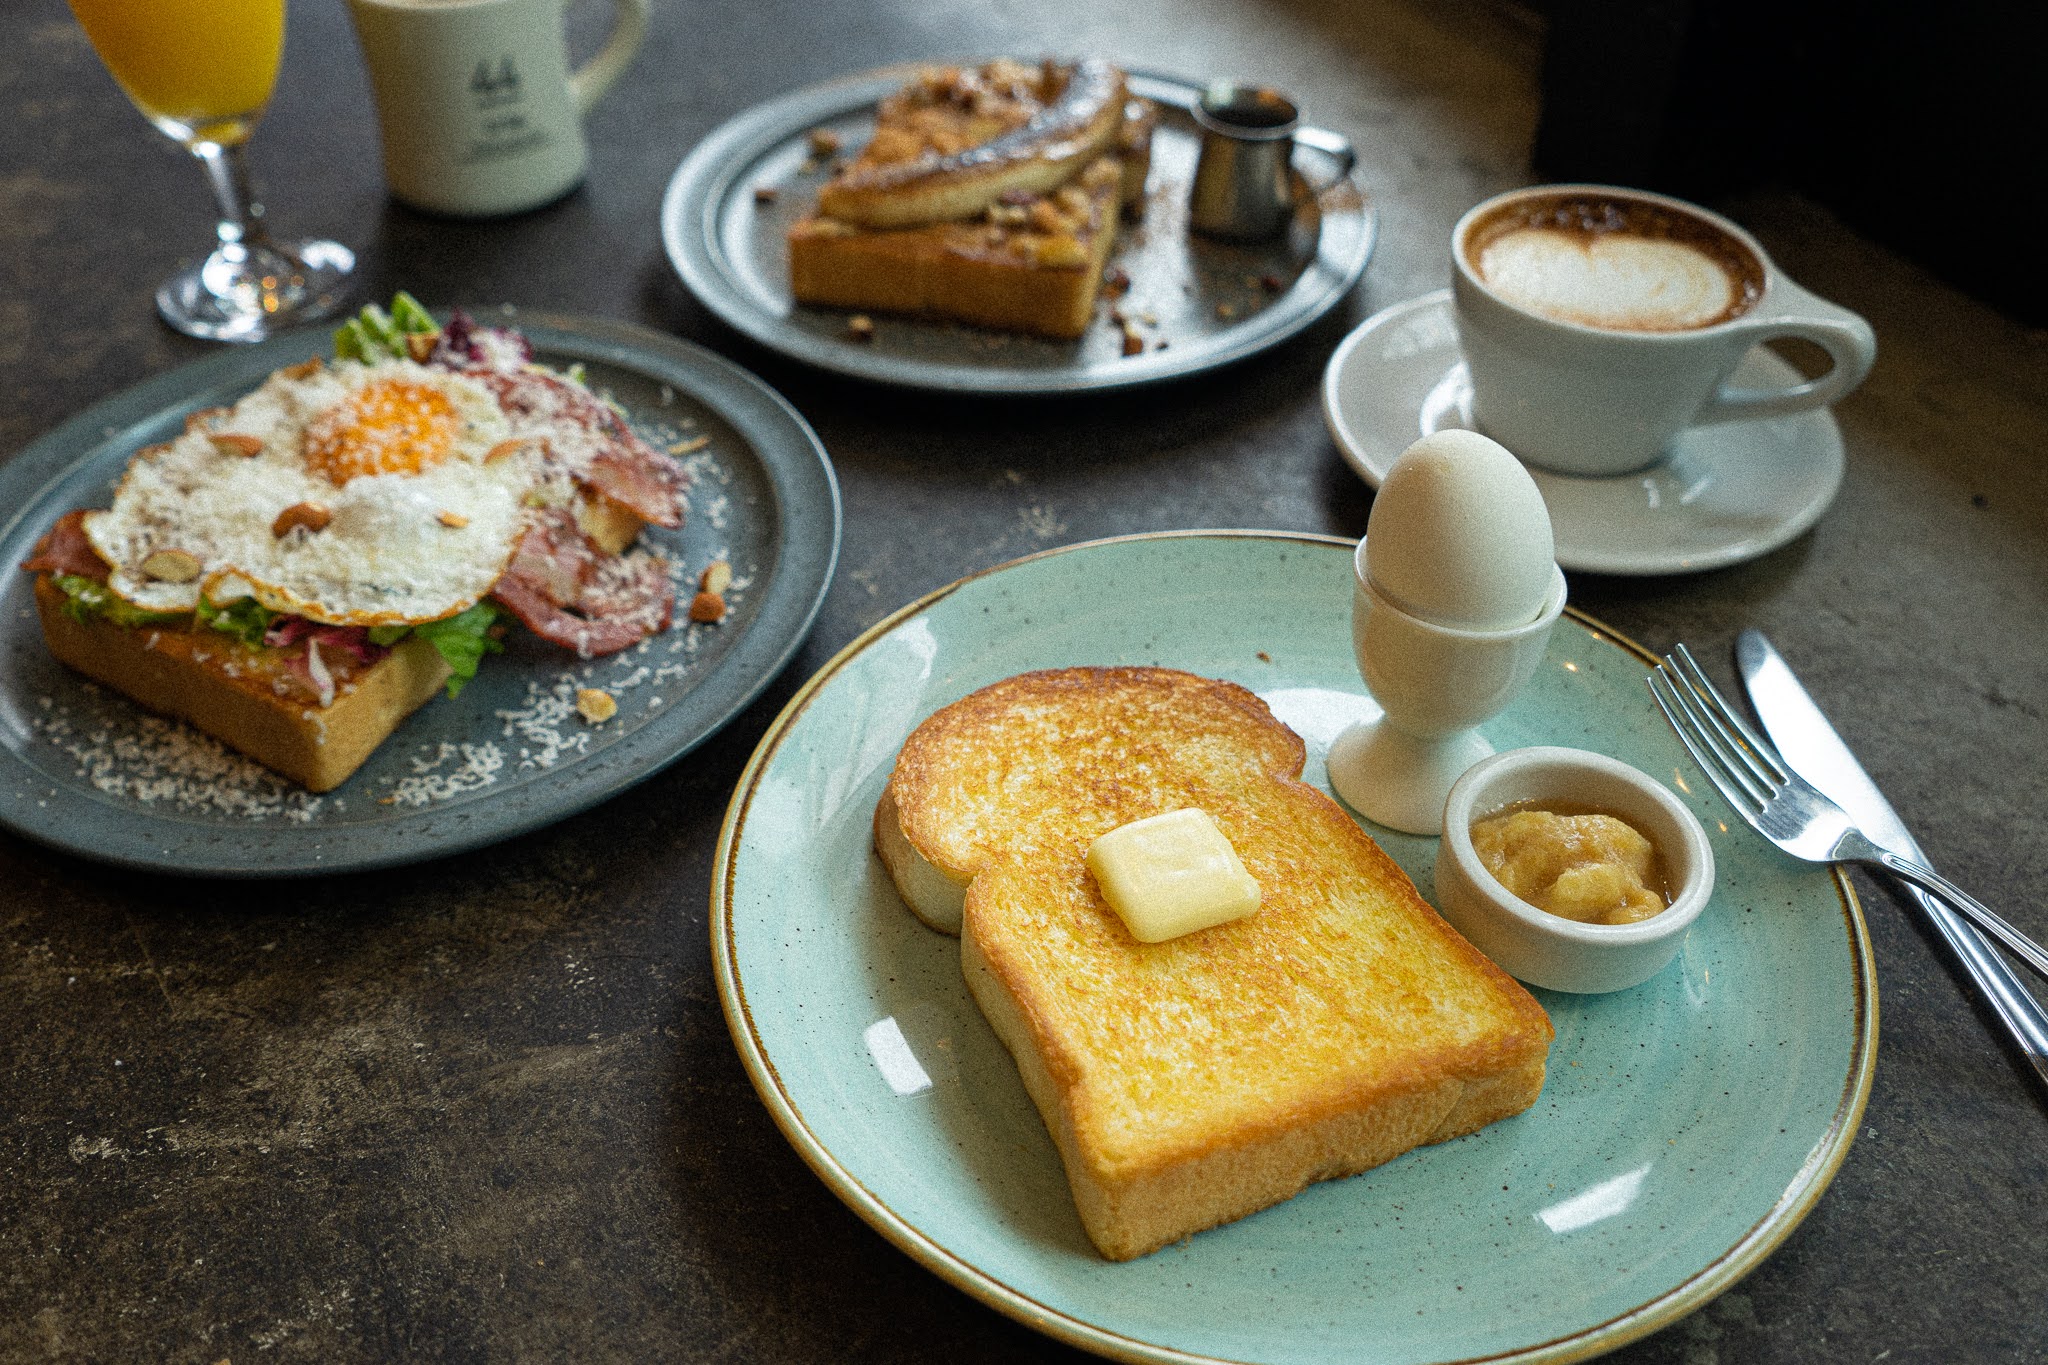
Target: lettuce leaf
x,y
463,639
86,598
244,618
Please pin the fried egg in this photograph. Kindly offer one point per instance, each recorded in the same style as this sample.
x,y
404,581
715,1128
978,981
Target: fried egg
x,y
351,494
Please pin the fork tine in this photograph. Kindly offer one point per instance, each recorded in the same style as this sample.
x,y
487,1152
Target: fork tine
x,y
1735,765
1761,757
1735,792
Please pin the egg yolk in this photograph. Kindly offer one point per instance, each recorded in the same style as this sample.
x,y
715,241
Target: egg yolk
x,y
392,426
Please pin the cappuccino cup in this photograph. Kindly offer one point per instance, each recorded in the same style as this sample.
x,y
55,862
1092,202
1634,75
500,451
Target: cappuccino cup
x,y
1598,323
479,111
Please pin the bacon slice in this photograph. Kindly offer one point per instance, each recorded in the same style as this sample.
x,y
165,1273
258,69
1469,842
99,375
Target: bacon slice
x,y
624,468
64,549
563,589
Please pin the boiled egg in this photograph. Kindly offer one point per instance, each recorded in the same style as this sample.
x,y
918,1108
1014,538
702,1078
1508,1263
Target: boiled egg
x,y
1459,535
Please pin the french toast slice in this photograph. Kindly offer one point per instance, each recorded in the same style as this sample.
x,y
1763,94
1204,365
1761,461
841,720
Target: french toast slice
x,y
945,243
242,695
1191,1082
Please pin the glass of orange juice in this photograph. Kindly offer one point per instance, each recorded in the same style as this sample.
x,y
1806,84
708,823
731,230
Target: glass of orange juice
x,y
202,72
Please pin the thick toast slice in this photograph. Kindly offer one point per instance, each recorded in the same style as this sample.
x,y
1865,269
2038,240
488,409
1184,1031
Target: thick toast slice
x,y
1191,1082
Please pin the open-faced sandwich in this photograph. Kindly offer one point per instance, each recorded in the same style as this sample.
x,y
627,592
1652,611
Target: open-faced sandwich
x,y
299,572
987,195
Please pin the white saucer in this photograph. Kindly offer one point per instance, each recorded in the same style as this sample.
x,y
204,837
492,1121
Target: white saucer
x,y
1727,493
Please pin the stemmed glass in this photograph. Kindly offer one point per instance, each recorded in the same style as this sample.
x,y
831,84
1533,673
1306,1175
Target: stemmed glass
x,y
202,72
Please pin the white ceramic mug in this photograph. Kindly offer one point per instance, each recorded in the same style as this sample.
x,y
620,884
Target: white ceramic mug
x,y
479,111
1597,390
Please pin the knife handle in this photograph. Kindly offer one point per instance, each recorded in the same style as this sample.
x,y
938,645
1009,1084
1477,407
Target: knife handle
x,y
2000,988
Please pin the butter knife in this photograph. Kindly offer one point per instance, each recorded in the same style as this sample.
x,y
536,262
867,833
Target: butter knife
x,y
1812,749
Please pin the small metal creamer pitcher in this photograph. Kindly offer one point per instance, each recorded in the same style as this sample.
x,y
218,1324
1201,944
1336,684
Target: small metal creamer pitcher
x,y
1244,187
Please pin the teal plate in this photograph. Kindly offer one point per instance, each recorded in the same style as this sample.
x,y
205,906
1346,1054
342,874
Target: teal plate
x,y
1686,1127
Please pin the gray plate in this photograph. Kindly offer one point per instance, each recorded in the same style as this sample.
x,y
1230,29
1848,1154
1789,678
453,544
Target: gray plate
x,y
1211,303
86,771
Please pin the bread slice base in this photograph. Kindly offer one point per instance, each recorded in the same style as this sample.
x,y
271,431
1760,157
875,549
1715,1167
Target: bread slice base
x,y
954,271
187,676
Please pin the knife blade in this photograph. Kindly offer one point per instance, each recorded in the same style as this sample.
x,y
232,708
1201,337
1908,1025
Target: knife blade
x,y
1811,748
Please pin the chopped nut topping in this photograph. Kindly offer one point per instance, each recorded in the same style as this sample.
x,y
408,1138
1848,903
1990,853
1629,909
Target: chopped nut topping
x,y
716,578
172,566
1134,344
235,443
695,443
1062,251
454,521
1116,282
504,448
823,142
861,327
766,194
305,369
310,515
595,705
1046,217
1270,282
420,345
1226,310
707,607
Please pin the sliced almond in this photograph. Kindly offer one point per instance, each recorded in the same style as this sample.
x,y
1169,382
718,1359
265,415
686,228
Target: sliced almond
x,y
171,566
823,142
420,345
595,705
716,578
708,607
310,515
454,521
695,443
305,369
505,448
236,443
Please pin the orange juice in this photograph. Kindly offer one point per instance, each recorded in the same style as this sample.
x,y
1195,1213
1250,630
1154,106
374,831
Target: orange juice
x,y
201,70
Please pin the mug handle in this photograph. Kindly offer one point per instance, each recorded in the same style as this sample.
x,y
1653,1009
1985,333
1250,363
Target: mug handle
x,y
1333,145
589,81
1847,339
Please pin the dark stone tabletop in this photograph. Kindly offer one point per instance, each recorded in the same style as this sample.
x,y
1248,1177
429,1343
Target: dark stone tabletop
x,y
487,1107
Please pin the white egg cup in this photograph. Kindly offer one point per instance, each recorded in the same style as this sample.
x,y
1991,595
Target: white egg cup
x,y
1435,686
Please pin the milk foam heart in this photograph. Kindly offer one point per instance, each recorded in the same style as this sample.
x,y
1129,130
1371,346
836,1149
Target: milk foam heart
x,y
1633,283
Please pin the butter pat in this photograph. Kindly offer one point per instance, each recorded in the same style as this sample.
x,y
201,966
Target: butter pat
x,y
1172,874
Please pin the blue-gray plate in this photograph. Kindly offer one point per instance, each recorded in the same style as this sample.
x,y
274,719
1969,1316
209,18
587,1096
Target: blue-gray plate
x,y
86,771
1686,1126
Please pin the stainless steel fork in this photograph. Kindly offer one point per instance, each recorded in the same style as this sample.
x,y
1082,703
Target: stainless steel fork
x,y
1788,810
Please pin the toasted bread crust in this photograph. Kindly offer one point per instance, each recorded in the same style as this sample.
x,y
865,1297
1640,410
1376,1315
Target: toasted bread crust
x,y
1190,1082
206,680
965,271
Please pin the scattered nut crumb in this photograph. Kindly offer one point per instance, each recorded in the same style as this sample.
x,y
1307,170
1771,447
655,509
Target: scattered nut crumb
x,y
823,142
695,443
861,327
310,515
305,369
504,448
454,521
1226,310
236,443
420,345
171,566
716,578
595,705
1264,657
1270,282
1134,344
766,194
1116,282
707,607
